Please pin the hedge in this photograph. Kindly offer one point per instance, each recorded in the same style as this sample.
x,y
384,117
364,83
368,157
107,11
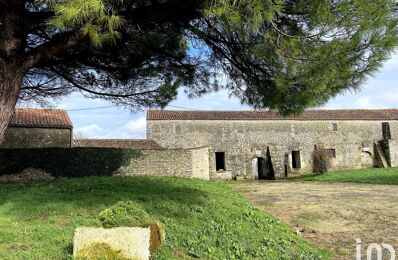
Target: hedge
x,y
67,162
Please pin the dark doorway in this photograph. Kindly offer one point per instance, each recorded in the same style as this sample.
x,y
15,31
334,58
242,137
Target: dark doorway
x,y
265,170
220,161
386,131
261,168
296,160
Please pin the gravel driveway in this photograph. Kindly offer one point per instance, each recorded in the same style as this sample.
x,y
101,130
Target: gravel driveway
x,y
332,215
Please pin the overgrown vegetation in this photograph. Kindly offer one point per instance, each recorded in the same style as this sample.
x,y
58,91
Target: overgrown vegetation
x,y
99,251
124,213
202,219
321,160
76,162
369,175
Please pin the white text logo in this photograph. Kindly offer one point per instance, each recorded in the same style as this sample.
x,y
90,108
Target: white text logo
x,y
377,248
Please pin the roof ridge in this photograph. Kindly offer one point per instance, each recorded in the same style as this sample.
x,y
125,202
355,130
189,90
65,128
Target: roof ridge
x,y
35,117
144,144
310,114
269,110
43,109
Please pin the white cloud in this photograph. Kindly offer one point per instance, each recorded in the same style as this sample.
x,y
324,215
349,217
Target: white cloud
x,y
136,127
89,131
363,102
132,129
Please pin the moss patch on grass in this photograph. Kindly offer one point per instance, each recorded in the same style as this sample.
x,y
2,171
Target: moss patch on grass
x,y
100,251
201,219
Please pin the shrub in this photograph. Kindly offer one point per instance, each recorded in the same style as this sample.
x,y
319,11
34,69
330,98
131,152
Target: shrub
x,y
321,160
125,213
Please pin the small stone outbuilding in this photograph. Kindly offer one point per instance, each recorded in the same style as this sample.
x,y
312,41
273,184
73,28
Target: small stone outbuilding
x,y
153,160
38,128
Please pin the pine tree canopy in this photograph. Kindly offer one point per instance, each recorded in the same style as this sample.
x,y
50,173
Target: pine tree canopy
x,y
286,55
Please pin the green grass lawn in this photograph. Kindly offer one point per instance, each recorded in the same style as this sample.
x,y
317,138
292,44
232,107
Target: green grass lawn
x,y
371,175
202,219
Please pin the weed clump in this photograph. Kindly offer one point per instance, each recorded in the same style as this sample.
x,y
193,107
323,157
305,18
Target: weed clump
x,y
125,213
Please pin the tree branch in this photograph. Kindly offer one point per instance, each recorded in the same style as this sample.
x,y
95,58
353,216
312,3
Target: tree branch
x,y
34,18
174,11
57,45
76,85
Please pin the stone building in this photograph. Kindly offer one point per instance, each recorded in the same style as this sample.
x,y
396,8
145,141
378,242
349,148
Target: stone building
x,y
225,144
34,130
38,128
155,160
266,145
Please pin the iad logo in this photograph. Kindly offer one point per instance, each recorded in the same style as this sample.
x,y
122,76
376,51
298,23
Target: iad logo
x,y
377,248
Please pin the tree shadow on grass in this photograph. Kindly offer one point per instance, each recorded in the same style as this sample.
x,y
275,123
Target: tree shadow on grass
x,y
159,196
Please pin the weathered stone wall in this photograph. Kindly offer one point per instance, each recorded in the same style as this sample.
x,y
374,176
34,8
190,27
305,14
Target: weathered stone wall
x,y
242,141
200,163
82,162
189,163
393,152
25,137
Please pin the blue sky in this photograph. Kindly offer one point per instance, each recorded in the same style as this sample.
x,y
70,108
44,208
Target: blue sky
x,y
380,91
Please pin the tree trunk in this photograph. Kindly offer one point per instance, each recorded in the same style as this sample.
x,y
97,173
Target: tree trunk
x,y
12,45
10,85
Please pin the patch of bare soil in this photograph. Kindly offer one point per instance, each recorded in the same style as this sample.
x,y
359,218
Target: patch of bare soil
x,y
27,175
330,214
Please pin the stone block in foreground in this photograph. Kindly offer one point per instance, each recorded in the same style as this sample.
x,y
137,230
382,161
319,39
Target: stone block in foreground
x,y
117,243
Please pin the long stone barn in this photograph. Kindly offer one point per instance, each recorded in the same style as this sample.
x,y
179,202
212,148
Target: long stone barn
x,y
266,145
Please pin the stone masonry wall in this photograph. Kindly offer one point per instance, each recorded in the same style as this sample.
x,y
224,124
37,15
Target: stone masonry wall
x,y
82,162
200,163
25,137
189,163
242,141
393,152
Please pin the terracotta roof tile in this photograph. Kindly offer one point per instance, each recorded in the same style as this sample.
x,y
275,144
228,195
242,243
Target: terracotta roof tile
x,y
49,118
341,114
117,143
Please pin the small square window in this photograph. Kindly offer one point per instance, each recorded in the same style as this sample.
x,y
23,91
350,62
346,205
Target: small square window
x,y
334,126
332,152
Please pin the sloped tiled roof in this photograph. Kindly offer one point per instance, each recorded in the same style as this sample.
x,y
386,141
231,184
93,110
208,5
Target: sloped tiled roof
x,y
139,144
48,118
340,114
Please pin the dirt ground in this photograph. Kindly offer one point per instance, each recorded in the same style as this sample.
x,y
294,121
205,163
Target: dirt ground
x,y
330,214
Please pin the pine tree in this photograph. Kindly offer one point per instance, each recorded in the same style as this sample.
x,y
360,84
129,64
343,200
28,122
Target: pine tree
x,y
284,55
